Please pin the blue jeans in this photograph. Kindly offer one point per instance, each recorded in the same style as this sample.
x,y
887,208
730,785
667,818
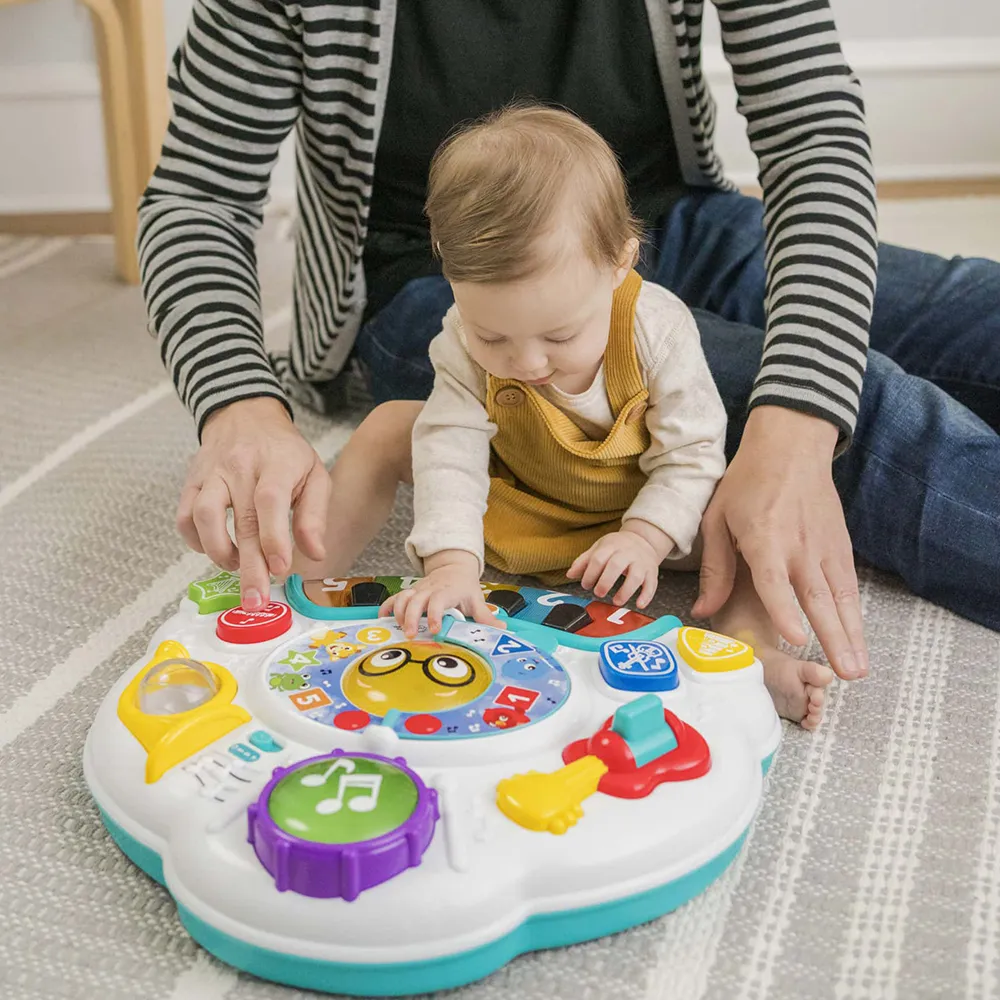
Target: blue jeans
x,y
920,484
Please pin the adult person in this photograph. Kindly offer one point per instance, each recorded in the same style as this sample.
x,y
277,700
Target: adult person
x,y
783,292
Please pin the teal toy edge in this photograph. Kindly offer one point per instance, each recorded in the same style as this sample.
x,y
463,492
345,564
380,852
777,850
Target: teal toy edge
x,y
296,597
542,636
549,930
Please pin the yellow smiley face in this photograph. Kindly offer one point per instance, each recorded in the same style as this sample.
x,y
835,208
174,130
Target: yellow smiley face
x,y
416,677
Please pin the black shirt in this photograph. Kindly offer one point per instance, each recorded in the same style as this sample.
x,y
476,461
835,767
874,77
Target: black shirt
x,y
449,66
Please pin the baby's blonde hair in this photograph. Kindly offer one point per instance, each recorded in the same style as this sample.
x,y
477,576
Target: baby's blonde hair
x,y
494,186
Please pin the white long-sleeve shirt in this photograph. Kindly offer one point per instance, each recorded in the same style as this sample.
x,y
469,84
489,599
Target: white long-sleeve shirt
x,y
685,417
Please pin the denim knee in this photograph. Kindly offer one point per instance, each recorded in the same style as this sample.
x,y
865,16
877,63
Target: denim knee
x,y
393,344
918,486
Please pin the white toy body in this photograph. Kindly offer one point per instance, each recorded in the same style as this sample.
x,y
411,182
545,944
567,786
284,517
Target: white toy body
x,y
486,888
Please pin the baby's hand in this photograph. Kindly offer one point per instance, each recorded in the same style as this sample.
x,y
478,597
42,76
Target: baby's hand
x,y
626,553
451,582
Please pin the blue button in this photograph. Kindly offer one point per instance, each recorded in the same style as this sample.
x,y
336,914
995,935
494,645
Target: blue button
x,y
244,752
264,741
634,665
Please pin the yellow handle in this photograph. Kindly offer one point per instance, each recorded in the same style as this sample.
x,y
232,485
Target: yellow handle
x,y
550,801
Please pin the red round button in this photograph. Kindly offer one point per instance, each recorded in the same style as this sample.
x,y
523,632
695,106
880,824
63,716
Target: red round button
x,y
242,626
351,720
422,725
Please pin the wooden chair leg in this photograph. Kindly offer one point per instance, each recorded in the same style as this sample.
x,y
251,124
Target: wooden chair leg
x,y
146,50
123,172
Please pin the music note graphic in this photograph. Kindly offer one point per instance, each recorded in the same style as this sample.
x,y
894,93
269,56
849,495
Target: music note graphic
x,y
359,803
315,780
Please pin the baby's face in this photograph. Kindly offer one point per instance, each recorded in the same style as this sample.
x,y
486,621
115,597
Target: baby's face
x,y
552,328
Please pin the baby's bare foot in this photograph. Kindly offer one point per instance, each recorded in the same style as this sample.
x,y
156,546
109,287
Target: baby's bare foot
x,y
797,687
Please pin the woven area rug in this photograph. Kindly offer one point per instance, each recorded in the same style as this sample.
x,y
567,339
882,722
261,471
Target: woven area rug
x,y
873,868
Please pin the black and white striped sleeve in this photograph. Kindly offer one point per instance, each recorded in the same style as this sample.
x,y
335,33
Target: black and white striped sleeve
x,y
235,89
806,123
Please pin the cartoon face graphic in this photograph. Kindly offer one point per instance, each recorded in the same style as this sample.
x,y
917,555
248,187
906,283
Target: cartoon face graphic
x,y
521,669
416,677
341,650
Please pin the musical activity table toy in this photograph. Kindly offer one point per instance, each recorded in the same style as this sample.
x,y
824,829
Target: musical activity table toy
x,y
337,807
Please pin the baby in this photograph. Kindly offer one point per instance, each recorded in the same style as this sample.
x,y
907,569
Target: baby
x,y
574,430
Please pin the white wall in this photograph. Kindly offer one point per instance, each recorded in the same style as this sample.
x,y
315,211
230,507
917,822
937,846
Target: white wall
x,y
51,139
901,19
918,18
54,31
930,69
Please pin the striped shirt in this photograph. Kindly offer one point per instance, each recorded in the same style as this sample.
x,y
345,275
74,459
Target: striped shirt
x,y
249,71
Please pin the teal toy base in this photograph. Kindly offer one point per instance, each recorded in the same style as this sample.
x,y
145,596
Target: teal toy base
x,y
138,853
548,930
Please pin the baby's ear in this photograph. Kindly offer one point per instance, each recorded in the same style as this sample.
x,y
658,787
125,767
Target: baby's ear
x,y
628,260
631,252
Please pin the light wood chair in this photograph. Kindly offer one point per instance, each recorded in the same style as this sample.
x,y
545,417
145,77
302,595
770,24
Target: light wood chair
x,y
131,56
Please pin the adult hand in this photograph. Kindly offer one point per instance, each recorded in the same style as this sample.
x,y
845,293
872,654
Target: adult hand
x,y
778,507
254,460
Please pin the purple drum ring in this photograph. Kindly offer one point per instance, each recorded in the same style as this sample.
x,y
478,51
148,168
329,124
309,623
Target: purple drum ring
x,y
326,870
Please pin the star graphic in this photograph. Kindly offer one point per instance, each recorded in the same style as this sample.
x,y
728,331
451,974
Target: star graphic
x,y
299,658
325,639
218,593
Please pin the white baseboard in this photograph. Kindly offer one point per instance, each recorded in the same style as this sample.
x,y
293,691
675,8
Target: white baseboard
x,y
931,110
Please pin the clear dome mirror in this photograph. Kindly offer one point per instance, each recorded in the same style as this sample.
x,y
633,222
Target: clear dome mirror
x,y
176,685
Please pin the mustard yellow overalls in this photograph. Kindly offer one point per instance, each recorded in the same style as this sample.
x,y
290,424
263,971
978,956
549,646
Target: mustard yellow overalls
x,y
554,491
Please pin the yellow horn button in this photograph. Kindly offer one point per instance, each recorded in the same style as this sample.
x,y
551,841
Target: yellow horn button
x,y
176,706
712,653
